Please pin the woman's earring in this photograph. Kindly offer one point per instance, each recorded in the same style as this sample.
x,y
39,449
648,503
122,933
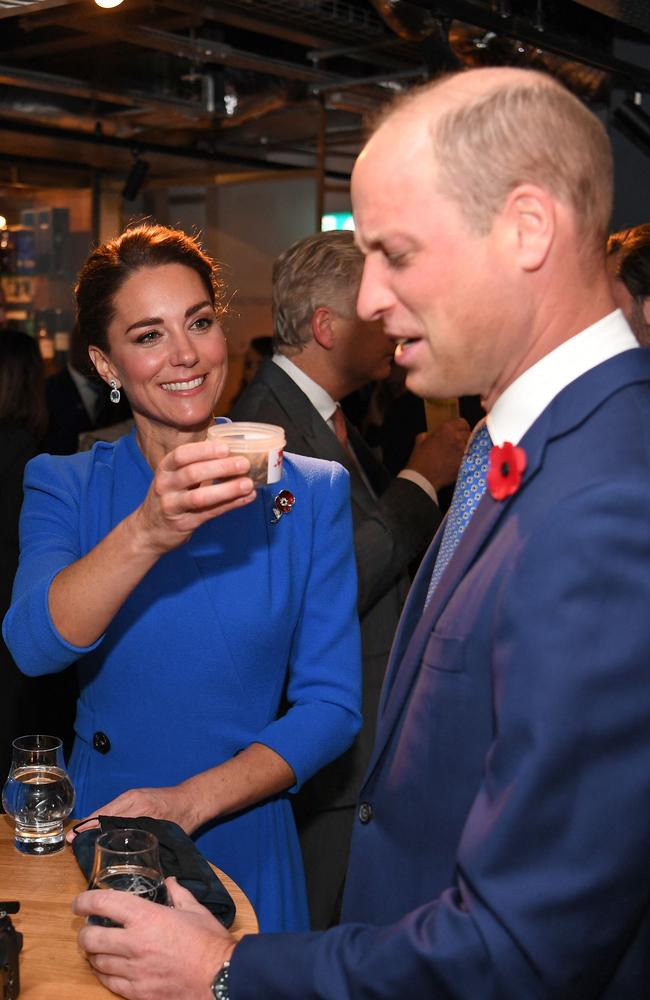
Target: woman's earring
x,y
115,392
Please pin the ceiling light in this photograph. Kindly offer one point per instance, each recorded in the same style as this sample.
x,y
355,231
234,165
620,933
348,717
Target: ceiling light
x,y
107,4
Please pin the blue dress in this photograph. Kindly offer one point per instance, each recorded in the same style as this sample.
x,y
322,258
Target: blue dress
x,y
195,665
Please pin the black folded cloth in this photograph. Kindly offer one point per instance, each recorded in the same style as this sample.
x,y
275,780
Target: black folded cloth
x,y
179,857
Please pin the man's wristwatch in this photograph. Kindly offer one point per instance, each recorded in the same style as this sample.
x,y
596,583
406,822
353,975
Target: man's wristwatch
x,y
220,988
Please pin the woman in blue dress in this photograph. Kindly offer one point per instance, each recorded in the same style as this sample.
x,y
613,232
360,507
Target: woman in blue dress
x,y
216,645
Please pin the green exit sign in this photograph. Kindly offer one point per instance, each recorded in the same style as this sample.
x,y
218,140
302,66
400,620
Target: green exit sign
x,y
337,220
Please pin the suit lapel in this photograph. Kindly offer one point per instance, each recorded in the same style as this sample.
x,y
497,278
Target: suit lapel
x,y
320,441
378,476
417,624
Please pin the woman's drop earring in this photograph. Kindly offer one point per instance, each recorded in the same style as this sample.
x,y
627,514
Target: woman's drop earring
x,y
115,392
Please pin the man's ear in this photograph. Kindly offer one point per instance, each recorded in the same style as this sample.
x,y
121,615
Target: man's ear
x,y
530,219
103,365
322,327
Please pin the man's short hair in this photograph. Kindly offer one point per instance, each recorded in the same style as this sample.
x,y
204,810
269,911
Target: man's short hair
x,y
630,249
321,270
522,131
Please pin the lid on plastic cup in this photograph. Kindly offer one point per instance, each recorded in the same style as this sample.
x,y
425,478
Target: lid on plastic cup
x,y
262,444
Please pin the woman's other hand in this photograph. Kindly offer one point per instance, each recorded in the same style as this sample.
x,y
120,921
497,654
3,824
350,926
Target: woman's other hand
x,y
172,803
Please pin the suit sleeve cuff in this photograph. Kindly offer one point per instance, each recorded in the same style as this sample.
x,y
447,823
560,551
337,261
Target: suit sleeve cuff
x,y
421,481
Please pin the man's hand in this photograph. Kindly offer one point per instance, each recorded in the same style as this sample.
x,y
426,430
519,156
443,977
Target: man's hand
x,y
438,455
158,953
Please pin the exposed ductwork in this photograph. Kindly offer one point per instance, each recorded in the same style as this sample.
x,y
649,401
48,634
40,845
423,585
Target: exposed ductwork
x,y
213,84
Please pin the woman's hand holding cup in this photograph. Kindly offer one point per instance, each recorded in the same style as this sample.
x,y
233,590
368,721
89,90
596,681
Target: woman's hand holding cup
x,y
192,484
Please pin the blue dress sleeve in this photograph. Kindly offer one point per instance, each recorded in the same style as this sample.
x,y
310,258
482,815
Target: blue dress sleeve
x,y
49,541
324,686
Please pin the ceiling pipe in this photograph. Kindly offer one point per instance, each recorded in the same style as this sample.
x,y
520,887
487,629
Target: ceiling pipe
x,y
412,24
561,44
212,156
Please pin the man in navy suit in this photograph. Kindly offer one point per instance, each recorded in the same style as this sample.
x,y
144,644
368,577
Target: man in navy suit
x,y
503,835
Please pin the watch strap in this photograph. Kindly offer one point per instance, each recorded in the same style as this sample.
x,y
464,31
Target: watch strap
x,y
220,983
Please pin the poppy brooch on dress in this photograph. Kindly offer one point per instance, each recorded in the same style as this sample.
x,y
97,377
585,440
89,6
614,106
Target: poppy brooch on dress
x,y
507,465
282,504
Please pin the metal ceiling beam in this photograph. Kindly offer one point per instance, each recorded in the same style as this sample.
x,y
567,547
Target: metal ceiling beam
x,y
54,84
398,75
213,156
24,10
222,15
47,162
550,40
71,43
201,50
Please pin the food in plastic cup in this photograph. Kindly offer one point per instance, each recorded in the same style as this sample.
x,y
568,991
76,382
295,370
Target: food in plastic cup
x,y
262,444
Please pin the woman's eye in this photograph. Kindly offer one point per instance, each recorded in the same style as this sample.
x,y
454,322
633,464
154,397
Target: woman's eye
x,y
148,338
202,323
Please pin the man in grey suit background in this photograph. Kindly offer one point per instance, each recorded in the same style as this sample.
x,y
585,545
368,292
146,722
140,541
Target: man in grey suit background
x,y
323,352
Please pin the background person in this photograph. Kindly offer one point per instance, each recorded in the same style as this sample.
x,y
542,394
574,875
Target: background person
x,y
188,626
501,846
26,705
323,351
78,401
629,263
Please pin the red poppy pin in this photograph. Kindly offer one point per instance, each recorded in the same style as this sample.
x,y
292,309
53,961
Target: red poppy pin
x,y
282,504
507,464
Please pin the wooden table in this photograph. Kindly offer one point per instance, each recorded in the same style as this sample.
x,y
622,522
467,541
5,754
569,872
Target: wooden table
x,y
51,965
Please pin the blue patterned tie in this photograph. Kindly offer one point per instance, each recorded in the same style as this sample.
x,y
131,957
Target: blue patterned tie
x,y
470,487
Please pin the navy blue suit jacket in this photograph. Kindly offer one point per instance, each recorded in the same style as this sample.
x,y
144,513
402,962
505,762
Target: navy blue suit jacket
x,y
506,849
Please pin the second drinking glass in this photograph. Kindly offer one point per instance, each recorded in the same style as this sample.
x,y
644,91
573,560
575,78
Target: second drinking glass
x,y
128,860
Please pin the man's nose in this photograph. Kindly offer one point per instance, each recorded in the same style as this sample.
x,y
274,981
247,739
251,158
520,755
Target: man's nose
x,y
374,298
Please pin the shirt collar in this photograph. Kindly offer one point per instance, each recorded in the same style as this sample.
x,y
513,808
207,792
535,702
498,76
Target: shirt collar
x,y
319,399
519,406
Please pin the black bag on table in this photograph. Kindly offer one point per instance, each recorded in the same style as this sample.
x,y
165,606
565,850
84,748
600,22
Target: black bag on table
x,y
179,856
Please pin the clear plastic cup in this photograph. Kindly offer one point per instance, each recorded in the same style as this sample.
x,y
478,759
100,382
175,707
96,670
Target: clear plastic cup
x,y
262,444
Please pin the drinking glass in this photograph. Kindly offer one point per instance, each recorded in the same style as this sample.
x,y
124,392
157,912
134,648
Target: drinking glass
x,y
128,860
38,794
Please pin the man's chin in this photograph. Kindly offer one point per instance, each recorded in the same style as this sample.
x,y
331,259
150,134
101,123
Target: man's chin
x,y
420,385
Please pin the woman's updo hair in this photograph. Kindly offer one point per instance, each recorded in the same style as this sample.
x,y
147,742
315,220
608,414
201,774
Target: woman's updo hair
x,y
112,263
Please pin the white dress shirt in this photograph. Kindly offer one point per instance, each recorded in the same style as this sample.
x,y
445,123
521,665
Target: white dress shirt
x,y
519,406
323,402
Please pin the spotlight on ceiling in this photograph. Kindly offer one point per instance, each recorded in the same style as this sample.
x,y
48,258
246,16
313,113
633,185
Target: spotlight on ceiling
x,y
107,4
135,179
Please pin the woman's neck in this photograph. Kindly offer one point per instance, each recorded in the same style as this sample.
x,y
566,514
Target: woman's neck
x,y
157,441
